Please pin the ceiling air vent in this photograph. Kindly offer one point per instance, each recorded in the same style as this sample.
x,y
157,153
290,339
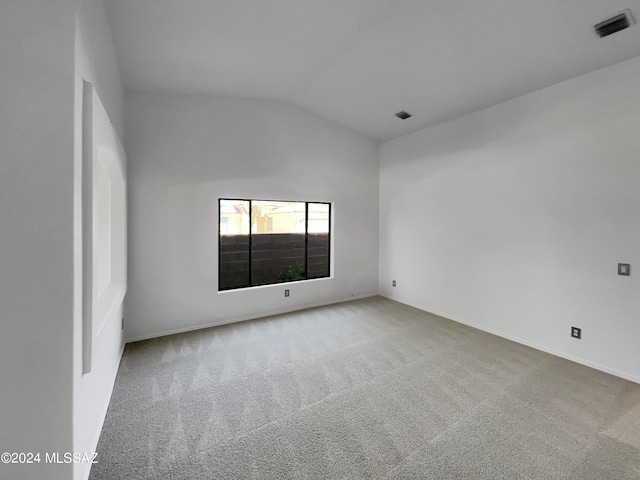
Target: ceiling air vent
x,y
614,24
403,115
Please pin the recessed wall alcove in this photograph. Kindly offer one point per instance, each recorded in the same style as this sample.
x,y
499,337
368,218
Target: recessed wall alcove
x,y
104,222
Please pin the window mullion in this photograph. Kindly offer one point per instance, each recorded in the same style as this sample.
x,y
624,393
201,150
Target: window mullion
x,y
306,240
250,244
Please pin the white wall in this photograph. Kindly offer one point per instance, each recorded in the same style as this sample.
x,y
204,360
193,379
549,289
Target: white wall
x,y
96,59
184,153
36,243
95,63
45,404
513,219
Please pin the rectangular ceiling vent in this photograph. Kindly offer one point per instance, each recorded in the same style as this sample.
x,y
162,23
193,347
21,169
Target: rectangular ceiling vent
x,y
403,115
614,24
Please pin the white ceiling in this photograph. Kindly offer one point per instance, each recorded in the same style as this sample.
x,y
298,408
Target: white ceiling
x,y
358,62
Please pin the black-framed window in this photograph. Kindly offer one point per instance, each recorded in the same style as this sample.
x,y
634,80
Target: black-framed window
x,y
262,242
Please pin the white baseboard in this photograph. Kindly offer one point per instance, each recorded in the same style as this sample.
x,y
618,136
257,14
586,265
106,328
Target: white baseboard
x,y
581,361
248,317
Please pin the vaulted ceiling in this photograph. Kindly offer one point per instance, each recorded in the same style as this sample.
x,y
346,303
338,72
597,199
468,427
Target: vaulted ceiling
x,y
358,62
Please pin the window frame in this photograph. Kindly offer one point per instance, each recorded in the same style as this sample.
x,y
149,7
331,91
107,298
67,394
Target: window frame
x,y
250,235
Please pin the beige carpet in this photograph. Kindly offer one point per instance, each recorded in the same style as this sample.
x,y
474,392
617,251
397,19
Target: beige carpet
x,y
369,389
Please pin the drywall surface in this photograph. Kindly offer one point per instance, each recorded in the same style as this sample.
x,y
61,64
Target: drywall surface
x,y
96,59
36,244
513,219
185,152
96,63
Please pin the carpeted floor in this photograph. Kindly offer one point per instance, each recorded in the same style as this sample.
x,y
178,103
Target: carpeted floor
x,y
369,389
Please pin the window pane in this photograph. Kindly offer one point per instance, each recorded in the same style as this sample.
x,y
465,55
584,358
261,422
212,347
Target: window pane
x,y
318,218
277,253
234,244
234,217
277,217
318,241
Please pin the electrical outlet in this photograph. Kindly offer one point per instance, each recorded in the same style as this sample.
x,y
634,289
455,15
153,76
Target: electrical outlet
x,y
576,332
624,269
122,328
393,283
286,292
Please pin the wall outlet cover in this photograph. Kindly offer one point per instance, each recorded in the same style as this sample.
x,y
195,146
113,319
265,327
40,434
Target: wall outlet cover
x,y
576,332
393,283
286,292
624,269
